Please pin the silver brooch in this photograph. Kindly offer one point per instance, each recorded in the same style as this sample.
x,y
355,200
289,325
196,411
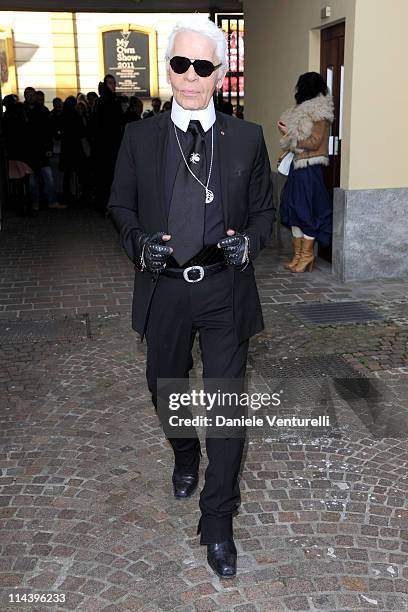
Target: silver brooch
x,y
195,158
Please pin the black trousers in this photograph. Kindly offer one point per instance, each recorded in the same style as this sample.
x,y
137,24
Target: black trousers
x,y
178,311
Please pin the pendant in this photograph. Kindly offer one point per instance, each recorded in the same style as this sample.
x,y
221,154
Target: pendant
x,y
209,196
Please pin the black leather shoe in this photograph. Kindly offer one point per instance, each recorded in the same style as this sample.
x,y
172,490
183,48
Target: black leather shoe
x,y
222,558
184,485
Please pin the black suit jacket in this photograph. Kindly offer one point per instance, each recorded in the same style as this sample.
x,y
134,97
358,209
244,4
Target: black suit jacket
x,y
137,203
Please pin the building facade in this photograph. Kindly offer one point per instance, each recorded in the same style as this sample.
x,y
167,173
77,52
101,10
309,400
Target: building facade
x,y
62,53
285,38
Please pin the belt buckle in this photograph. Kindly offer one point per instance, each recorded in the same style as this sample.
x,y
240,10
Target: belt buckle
x,y
193,280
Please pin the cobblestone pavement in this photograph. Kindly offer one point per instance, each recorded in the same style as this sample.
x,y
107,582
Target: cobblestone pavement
x,y
86,506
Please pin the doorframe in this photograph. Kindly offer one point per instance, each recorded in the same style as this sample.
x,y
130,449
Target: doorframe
x,y
335,143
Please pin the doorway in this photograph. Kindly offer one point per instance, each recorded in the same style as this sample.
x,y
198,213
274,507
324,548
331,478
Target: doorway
x,y
332,70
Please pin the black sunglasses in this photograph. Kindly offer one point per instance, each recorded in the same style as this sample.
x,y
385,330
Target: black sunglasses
x,y
203,68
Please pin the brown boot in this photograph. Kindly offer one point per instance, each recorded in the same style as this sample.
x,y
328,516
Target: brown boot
x,y
307,257
297,247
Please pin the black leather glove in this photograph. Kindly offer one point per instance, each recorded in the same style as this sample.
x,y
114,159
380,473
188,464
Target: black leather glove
x,y
153,252
236,249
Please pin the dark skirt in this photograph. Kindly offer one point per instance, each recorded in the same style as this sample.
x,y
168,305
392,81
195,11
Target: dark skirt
x,y
306,203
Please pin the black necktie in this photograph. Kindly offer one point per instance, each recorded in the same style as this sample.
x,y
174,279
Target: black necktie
x,y
187,208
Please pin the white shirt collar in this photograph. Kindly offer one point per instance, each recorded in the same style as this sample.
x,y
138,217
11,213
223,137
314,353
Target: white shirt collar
x,y
182,117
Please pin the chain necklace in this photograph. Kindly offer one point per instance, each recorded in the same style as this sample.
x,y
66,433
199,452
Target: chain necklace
x,y
209,195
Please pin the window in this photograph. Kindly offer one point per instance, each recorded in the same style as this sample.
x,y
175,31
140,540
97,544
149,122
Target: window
x,y
233,86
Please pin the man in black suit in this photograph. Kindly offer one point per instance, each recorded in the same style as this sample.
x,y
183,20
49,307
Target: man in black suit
x,y
192,201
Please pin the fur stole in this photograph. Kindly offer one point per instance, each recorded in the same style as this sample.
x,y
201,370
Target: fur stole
x,y
300,118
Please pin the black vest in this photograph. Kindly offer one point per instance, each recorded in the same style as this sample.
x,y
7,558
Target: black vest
x,y
214,229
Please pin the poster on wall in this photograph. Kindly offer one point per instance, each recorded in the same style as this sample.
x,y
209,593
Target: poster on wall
x,y
7,65
129,53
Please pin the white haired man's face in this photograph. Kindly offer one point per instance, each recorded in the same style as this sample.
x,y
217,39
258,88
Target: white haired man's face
x,y
191,91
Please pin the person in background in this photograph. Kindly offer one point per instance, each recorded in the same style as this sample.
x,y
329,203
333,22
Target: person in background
x,y
239,111
73,156
57,105
155,110
82,98
9,100
41,99
91,98
41,150
134,110
56,127
107,139
124,103
82,110
227,109
16,131
166,106
306,207
55,118
17,146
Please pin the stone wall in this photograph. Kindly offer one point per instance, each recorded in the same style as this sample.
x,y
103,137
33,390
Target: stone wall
x,y
370,233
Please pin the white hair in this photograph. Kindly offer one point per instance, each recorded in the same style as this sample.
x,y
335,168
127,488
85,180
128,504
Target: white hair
x,y
204,26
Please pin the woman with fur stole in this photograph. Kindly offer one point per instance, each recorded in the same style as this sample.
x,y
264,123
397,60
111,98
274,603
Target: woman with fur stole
x,y
306,207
